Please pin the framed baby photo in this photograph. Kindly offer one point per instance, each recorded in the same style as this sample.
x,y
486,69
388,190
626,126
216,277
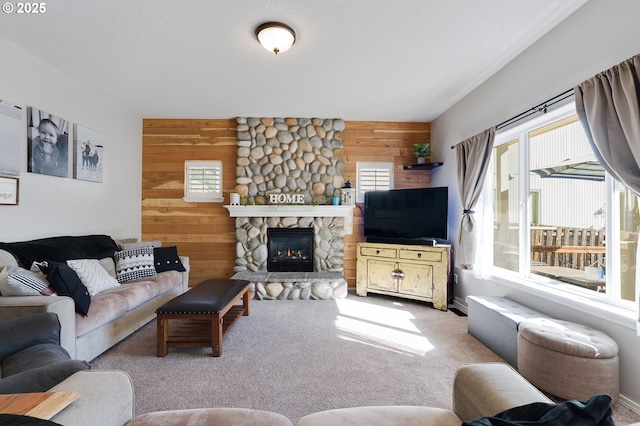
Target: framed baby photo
x,y
88,158
9,187
48,143
10,138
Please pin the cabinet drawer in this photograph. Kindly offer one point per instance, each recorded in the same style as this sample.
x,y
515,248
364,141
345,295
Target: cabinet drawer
x,y
378,252
429,256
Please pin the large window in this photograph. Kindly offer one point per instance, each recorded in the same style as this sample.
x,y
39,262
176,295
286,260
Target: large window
x,y
558,217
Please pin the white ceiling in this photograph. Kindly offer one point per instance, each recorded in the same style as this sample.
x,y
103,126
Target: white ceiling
x,y
386,60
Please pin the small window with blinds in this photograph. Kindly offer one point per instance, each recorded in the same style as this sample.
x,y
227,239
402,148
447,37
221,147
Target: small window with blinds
x,y
372,177
203,181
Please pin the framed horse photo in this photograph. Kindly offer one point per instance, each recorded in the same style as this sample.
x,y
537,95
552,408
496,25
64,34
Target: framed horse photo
x,y
88,158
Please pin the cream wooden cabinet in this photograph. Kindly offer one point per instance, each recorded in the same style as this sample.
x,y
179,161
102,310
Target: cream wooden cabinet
x,y
410,271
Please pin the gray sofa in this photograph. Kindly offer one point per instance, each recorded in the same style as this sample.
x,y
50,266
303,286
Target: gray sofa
x,y
113,314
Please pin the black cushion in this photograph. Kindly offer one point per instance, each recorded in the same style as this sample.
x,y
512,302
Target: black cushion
x,y
594,412
66,282
20,333
32,357
41,379
167,259
38,369
61,249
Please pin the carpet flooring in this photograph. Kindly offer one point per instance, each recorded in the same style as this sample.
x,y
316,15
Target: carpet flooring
x,y
300,357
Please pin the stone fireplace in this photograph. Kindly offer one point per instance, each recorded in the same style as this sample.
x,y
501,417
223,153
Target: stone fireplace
x,y
301,156
329,225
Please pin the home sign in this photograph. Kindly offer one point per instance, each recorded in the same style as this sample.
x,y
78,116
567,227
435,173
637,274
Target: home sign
x,y
286,198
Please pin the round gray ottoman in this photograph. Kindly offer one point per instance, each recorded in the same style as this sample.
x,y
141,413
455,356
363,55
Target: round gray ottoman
x,y
568,360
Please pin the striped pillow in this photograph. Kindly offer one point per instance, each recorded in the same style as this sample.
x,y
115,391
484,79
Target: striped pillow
x,y
21,282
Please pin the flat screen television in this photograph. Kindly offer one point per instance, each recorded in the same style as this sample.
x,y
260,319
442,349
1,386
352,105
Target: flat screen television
x,y
406,216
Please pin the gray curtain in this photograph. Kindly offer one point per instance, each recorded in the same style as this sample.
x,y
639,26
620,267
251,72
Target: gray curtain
x,y
609,109
473,157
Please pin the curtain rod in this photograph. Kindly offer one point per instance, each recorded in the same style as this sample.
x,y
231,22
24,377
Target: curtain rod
x,y
538,108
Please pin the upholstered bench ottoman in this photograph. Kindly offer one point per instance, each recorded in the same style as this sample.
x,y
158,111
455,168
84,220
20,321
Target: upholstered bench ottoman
x,y
208,311
494,321
568,360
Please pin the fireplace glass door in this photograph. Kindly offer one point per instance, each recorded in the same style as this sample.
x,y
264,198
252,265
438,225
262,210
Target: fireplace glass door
x,y
290,249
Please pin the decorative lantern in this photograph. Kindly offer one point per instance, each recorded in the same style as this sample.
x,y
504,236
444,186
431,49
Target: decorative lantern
x,y
348,195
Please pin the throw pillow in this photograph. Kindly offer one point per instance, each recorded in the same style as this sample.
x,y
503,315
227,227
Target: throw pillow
x,y
21,282
134,264
167,259
35,268
92,275
65,282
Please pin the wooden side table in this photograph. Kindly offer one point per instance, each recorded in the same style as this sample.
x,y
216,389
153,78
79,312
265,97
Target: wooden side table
x,y
42,405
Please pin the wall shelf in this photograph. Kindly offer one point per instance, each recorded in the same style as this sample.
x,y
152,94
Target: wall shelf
x,y
424,166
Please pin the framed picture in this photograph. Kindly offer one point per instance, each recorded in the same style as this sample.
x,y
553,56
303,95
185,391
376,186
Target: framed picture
x,y
9,187
48,141
88,158
10,140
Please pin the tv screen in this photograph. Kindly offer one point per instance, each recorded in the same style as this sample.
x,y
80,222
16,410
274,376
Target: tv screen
x,y
406,214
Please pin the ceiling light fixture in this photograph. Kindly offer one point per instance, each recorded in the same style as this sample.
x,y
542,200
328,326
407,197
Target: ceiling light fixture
x,y
276,37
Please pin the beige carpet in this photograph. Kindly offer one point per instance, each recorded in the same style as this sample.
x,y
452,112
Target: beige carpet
x,y
299,357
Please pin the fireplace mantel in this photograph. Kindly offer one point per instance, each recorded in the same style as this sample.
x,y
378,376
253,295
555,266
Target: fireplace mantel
x,y
276,210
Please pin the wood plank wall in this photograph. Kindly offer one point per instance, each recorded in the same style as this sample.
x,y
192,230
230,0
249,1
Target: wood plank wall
x,y
204,231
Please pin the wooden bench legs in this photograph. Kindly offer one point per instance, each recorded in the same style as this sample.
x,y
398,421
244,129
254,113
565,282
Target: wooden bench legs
x,y
200,330
163,335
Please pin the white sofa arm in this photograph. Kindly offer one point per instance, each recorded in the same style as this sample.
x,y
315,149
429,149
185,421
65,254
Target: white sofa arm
x,y
63,306
106,399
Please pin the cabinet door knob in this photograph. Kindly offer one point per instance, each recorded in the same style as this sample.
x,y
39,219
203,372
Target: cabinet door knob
x,y
377,251
397,274
419,254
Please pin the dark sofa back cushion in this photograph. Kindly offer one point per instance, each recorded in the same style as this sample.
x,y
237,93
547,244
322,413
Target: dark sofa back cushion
x,y
20,333
61,249
41,378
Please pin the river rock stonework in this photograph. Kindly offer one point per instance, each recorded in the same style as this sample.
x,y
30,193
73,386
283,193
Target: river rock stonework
x,y
251,241
295,285
289,156
327,280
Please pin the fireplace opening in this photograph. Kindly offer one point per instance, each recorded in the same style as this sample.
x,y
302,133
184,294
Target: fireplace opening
x,y
290,249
